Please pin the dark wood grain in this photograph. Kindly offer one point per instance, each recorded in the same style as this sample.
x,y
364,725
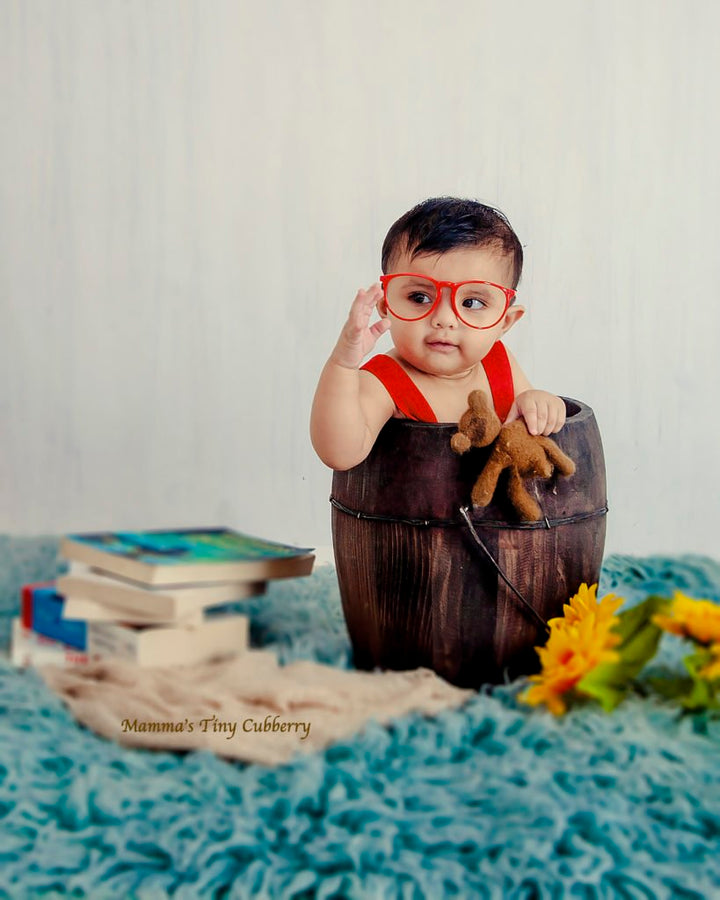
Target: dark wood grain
x,y
424,594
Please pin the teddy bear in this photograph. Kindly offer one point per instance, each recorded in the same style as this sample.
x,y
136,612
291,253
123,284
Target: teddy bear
x,y
524,454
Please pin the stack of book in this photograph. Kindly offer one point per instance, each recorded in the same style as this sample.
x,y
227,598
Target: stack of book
x,y
147,597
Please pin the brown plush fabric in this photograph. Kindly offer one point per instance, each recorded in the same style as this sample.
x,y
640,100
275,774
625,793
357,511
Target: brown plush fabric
x,y
514,448
317,704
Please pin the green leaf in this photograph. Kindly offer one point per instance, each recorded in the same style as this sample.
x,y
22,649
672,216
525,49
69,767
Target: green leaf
x,y
671,686
639,637
609,682
701,694
691,691
604,685
697,661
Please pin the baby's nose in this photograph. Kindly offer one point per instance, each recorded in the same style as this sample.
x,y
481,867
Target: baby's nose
x,y
443,315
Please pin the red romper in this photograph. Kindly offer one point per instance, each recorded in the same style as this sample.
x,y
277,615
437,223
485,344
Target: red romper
x,y
412,404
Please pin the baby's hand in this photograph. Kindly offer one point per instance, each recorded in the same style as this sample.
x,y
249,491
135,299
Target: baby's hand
x,y
357,337
544,413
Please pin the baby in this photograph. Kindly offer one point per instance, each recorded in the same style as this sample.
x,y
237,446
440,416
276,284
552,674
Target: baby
x,y
447,295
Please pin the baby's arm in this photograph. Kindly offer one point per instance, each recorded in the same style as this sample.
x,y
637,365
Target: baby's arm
x,y
544,413
350,406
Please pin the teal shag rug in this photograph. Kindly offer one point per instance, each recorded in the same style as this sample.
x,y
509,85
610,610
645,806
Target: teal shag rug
x,y
494,800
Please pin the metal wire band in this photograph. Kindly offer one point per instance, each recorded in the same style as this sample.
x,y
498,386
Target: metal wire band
x,y
453,523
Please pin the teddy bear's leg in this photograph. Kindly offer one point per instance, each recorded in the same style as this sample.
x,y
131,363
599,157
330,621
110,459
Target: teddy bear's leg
x,y
528,509
562,463
487,481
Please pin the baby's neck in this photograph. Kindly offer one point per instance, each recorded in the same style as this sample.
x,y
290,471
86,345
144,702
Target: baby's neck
x,y
456,379
447,394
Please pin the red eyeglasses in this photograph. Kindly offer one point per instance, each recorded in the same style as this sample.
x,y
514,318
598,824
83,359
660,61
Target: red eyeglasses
x,y
478,304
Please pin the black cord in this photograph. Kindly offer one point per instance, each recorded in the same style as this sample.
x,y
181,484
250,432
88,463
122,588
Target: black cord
x,y
478,541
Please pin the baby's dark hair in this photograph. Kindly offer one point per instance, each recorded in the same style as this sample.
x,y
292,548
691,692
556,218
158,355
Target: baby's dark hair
x,y
444,223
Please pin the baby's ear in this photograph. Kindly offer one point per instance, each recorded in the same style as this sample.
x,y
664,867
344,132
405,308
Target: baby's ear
x,y
382,309
513,314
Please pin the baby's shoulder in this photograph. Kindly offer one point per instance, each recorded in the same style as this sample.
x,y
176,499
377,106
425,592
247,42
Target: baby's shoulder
x,y
373,391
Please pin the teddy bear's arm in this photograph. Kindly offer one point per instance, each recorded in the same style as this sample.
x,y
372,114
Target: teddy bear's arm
x,y
562,463
487,480
460,442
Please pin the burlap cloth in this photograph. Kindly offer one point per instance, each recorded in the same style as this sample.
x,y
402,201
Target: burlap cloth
x,y
248,707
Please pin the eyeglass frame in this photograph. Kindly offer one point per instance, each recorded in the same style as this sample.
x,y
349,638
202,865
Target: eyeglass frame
x,y
510,294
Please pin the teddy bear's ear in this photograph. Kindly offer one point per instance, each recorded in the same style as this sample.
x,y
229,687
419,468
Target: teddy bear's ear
x,y
478,403
484,421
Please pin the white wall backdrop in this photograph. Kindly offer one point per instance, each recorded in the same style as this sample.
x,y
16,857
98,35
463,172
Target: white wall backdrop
x,y
193,190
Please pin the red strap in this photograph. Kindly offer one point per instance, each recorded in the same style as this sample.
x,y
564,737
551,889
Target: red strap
x,y
499,374
410,401
403,390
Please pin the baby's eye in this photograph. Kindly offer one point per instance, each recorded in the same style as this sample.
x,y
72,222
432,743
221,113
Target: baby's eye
x,y
419,297
474,302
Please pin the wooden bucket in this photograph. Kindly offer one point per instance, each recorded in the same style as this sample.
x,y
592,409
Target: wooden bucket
x,y
418,590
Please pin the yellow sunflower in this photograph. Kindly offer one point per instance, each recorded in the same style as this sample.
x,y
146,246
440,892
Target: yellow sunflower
x,y
577,644
690,618
585,604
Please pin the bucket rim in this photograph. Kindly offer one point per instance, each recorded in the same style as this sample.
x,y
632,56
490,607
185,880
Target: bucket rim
x,y
576,411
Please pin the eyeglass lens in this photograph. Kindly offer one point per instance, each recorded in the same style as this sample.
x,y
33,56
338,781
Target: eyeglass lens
x,y
478,304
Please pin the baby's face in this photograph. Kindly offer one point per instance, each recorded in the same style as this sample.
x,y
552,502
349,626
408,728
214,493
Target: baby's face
x,y
441,344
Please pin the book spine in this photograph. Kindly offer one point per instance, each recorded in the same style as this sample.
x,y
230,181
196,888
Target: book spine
x,y
46,616
30,649
100,611
108,640
27,596
26,605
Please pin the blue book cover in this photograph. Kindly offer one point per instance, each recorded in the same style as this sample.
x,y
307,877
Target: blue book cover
x,y
47,620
